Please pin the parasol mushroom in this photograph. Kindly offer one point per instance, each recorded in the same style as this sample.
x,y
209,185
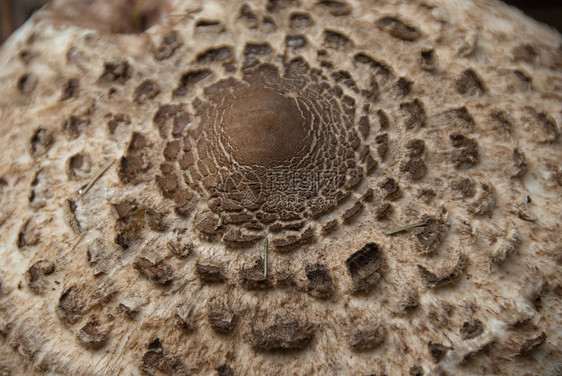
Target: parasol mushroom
x,y
280,187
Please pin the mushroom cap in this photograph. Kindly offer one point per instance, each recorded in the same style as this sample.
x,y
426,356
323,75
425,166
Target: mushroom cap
x,y
280,187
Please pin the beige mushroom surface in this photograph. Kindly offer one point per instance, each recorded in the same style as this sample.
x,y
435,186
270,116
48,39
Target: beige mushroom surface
x,y
281,187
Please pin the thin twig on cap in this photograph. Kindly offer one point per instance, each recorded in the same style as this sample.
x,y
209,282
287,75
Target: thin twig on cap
x,y
86,187
265,259
404,228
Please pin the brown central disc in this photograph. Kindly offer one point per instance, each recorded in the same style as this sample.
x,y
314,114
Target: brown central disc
x,y
264,127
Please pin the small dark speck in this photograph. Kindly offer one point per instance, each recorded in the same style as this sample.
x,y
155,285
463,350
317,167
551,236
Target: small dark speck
x,y
57,282
529,200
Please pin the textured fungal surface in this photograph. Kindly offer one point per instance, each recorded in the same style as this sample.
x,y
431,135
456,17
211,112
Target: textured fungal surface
x,y
280,187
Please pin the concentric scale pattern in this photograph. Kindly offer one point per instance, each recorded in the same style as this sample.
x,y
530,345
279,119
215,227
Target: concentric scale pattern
x,y
272,152
280,187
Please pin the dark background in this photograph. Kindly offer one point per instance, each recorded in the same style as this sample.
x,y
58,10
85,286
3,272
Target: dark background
x,y
546,11
14,12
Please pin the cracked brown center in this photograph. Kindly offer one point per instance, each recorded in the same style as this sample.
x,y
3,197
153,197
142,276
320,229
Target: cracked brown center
x,y
273,151
263,127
